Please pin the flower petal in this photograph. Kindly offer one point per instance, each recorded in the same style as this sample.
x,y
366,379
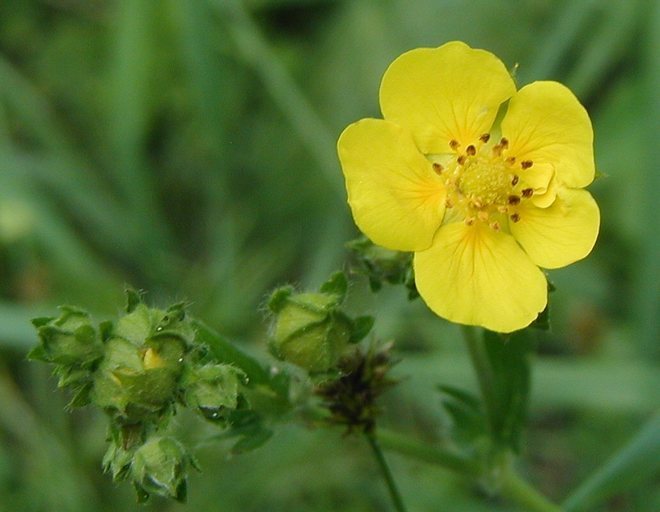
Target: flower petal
x,y
397,199
445,93
476,276
564,232
546,124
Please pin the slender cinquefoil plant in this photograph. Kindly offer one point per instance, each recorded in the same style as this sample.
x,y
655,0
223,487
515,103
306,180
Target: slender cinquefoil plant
x,y
482,183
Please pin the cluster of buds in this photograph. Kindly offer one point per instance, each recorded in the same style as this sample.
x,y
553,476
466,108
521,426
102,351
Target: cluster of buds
x,y
137,370
310,330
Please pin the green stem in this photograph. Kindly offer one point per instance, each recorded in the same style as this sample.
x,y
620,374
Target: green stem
x,y
482,368
431,454
387,474
517,490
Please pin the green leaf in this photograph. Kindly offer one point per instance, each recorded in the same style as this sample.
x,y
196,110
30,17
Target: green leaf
x,y
469,421
509,359
248,427
225,352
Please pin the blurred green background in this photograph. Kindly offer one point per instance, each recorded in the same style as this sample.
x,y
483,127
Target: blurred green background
x,y
187,147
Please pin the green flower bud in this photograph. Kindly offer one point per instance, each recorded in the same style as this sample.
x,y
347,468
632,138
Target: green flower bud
x,y
135,381
160,467
308,330
212,389
68,340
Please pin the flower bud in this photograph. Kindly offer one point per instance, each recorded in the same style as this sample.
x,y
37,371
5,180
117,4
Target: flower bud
x,y
160,467
308,331
68,340
138,381
212,389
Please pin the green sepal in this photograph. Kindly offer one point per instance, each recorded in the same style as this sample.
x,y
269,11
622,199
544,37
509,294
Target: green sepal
x,y
133,298
38,353
105,330
337,284
381,266
542,321
360,327
279,297
81,397
141,496
42,320
174,315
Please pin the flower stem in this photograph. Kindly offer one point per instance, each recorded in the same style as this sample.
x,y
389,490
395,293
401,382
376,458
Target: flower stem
x,y
431,454
511,487
517,490
482,368
385,470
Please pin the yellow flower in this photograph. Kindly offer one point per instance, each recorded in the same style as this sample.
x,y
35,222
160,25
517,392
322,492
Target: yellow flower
x,y
482,205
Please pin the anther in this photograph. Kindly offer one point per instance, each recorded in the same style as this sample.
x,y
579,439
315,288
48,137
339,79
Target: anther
x,y
469,221
471,150
514,181
497,149
461,160
511,160
495,226
453,144
448,203
485,137
527,192
437,168
515,217
504,142
513,200
482,216
526,164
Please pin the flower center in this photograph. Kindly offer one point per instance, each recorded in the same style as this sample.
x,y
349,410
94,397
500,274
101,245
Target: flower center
x,y
483,182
